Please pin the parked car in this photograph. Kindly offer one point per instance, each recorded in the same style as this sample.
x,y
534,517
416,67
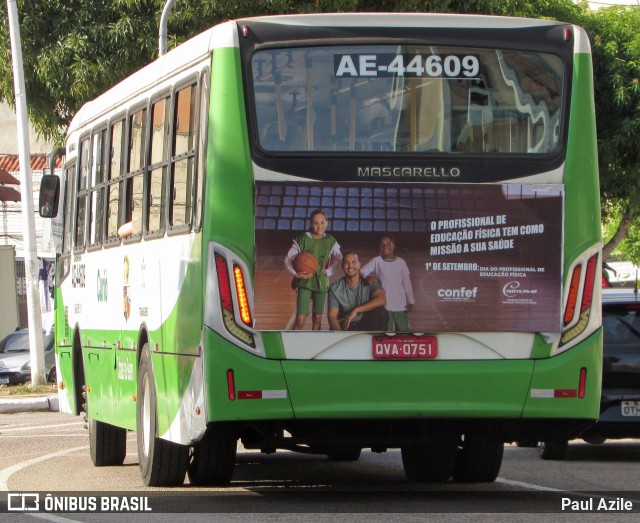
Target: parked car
x,y
620,274
620,399
15,358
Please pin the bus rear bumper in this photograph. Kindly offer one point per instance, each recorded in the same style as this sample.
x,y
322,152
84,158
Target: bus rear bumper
x,y
511,395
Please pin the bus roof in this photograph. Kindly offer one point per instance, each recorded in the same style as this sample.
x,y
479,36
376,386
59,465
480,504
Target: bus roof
x,y
402,20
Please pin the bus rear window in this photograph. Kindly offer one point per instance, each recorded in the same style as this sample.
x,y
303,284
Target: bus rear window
x,y
407,99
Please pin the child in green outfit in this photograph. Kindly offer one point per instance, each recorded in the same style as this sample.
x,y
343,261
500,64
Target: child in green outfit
x,y
313,286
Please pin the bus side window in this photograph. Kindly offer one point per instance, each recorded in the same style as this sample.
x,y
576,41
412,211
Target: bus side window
x,y
68,208
97,188
183,157
135,174
157,186
115,188
82,191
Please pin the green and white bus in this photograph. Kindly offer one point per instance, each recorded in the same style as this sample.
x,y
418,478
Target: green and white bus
x,y
466,142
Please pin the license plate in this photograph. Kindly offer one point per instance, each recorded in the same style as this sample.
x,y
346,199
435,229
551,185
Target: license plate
x,y
630,408
4,381
404,347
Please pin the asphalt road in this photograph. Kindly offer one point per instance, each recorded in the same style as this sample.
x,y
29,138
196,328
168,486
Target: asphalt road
x,y
47,452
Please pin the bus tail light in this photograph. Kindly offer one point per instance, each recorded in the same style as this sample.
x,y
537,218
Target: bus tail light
x,y
226,300
223,284
241,292
580,291
574,288
589,284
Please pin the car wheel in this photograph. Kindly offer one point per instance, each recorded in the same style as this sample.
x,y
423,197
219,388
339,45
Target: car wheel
x,y
52,377
554,450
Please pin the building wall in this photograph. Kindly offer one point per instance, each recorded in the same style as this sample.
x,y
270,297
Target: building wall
x,y
9,311
8,134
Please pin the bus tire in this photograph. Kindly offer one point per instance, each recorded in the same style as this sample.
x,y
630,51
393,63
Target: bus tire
x,y
162,463
213,458
480,457
347,454
107,443
554,450
430,462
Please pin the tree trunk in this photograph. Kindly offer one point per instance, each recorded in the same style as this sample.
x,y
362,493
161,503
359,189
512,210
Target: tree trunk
x,y
629,214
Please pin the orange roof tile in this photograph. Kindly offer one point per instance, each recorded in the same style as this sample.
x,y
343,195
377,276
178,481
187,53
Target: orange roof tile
x,y
11,162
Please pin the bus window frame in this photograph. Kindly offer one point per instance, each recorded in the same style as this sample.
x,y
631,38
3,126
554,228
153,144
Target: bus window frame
x,y
189,81
199,192
80,193
69,171
95,246
121,117
164,163
129,175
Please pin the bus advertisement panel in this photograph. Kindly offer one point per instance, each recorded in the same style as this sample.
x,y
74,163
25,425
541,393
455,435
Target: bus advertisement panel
x,y
478,257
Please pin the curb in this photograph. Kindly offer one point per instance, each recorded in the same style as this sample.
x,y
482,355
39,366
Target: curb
x,y
30,404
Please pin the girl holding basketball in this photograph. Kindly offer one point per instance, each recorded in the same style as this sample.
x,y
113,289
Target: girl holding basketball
x,y
313,285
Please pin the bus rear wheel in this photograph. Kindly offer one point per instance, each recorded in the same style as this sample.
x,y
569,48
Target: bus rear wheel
x,y
431,461
213,459
162,463
554,450
480,457
107,443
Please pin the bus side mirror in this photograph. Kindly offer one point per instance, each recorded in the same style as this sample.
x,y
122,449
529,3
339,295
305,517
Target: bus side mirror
x,y
49,195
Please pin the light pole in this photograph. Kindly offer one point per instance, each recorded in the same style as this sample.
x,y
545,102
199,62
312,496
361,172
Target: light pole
x,y
26,192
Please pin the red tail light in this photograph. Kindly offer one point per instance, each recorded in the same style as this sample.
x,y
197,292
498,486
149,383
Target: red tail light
x,y
589,283
582,386
225,285
231,386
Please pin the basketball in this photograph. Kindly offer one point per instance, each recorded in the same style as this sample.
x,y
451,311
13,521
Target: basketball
x,y
305,262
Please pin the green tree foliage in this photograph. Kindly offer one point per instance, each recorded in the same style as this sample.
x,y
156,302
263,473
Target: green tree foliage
x,y
615,38
75,49
72,50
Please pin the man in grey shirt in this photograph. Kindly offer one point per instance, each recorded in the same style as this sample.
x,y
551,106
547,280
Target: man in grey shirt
x,y
354,305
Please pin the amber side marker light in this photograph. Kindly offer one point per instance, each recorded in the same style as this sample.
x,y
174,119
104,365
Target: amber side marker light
x,y
243,301
574,287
